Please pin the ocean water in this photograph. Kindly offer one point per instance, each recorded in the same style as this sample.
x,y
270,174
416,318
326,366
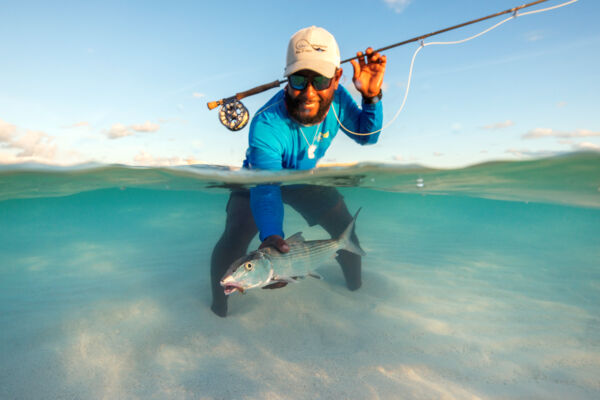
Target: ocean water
x,y
479,283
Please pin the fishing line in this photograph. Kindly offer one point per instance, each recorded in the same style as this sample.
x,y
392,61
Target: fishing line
x,y
235,116
423,45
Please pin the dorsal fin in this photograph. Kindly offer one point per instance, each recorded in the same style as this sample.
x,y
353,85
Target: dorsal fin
x,y
296,237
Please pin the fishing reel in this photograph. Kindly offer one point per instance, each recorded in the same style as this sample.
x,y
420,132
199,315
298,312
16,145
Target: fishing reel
x,y
233,114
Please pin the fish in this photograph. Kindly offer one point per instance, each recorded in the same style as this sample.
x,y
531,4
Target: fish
x,y
268,268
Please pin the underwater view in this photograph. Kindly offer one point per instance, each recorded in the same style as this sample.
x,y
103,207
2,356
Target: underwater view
x,y
478,283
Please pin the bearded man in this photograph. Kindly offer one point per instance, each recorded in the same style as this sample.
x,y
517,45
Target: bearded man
x,y
293,130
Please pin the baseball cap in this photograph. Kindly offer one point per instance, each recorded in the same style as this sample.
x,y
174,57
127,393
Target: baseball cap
x,y
313,48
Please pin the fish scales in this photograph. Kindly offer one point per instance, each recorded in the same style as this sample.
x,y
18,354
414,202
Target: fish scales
x,y
303,257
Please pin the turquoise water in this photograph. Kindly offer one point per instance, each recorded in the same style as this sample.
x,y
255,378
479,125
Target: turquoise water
x,y
482,282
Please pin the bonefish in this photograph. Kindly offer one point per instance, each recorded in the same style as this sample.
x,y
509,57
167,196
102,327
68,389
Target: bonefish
x,y
268,268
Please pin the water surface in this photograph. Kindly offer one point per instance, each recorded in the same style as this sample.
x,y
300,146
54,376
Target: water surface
x,y
482,282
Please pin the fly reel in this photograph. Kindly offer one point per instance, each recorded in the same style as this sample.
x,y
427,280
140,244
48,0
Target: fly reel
x,y
233,114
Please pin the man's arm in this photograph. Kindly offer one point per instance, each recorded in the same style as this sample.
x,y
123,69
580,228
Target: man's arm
x,y
265,152
365,120
369,70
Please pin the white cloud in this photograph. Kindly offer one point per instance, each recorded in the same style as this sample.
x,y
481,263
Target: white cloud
x,y
7,131
534,36
437,154
526,153
119,130
146,159
35,144
145,127
499,125
586,146
561,104
548,132
80,124
28,146
398,5
198,95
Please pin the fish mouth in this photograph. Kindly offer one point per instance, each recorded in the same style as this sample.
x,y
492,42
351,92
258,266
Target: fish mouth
x,y
231,287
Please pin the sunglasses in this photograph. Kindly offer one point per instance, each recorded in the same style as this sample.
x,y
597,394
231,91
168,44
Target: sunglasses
x,y
300,82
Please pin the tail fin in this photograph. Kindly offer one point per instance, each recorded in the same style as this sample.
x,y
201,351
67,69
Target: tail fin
x,y
345,239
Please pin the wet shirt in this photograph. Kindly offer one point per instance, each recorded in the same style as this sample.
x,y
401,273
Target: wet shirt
x,y
277,142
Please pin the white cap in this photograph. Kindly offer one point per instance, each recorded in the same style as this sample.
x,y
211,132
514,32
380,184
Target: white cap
x,y
315,49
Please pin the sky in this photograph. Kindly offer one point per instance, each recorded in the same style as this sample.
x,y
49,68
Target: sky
x,y
128,81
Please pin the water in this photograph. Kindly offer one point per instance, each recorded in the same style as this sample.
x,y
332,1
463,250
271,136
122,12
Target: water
x,y
481,282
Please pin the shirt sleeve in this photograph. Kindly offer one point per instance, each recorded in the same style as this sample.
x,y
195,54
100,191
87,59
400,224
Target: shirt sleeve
x,y
265,152
367,119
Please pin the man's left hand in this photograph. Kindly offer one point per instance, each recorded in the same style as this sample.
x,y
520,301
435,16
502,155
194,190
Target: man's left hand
x,y
368,74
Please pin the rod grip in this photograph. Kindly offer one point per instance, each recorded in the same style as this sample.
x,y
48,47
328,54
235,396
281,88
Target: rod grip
x,y
257,89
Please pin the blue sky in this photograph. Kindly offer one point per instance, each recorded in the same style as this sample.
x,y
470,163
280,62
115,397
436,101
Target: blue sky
x,y
128,81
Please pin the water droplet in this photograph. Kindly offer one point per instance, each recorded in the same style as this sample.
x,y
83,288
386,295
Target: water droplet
x,y
420,183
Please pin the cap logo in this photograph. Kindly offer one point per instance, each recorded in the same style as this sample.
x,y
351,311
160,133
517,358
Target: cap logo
x,y
304,45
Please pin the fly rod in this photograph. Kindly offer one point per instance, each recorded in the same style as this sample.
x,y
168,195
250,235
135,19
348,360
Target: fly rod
x,y
234,115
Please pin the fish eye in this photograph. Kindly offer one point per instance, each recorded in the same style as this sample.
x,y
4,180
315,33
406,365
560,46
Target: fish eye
x,y
248,266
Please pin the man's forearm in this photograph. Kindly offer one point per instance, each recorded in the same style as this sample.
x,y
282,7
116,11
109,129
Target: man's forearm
x,y
267,209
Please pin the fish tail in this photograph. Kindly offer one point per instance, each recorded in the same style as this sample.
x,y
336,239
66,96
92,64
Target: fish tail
x,y
345,239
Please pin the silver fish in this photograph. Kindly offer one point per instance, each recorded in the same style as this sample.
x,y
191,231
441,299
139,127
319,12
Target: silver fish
x,y
268,268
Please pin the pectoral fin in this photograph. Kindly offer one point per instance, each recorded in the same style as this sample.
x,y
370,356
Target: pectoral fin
x,y
315,275
275,285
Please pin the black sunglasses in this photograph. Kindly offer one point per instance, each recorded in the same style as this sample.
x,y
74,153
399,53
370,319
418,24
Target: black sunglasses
x,y
300,82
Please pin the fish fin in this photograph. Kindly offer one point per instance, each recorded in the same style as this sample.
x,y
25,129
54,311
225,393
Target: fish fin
x,y
345,239
288,279
275,285
315,275
296,237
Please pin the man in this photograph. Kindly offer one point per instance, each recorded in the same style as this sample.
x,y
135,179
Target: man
x,y
293,131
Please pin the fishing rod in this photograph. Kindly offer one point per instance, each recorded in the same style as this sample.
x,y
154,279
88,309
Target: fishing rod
x,y
234,115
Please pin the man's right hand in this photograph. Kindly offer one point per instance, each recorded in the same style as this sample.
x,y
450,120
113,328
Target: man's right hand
x,y
275,241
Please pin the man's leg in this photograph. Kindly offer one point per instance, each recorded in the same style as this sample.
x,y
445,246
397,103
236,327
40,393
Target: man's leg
x,y
325,206
240,229
335,222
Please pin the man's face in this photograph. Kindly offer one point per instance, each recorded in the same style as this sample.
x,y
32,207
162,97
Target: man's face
x,y
309,106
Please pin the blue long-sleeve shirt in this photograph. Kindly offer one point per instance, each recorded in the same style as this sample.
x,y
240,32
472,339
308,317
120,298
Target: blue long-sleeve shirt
x,y
277,142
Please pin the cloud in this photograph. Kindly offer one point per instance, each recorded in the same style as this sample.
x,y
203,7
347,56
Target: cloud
x,y
146,159
145,127
80,124
398,5
437,154
7,131
198,95
35,144
119,130
548,132
29,146
531,153
561,104
499,125
534,36
586,146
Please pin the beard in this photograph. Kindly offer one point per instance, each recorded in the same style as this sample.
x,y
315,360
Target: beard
x,y
293,108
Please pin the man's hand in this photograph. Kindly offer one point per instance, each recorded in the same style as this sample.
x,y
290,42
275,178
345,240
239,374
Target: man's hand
x,y
275,241
368,75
